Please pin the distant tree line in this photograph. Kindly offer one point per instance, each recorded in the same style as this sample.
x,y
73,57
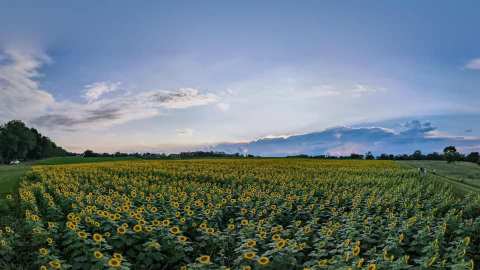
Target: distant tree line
x,y
450,154
18,142
182,155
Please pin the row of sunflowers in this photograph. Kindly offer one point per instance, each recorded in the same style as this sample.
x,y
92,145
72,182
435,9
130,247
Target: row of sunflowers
x,y
241,214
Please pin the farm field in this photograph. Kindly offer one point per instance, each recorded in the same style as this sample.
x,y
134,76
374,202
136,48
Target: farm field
x,y
239,214
464,176
76,160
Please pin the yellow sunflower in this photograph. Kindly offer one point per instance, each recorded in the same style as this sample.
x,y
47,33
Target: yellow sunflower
x,y
263,260
114,262
249,255
98,255
205,259
97,237
174,230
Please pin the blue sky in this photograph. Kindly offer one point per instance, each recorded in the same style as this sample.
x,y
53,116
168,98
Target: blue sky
x,y
170,76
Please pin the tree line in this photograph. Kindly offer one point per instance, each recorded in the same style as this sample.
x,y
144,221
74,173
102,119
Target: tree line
x,y
449,154
18,142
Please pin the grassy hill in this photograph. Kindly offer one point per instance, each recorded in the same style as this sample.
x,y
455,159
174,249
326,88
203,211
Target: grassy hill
x,y
464,176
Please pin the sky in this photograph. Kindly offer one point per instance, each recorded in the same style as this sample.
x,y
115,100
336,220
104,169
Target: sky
x,y
169,76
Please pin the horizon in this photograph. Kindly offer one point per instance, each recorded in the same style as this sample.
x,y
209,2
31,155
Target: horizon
x,y
183,76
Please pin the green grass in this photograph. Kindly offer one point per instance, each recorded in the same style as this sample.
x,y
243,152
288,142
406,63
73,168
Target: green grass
x,y
464,176
74,160
9,176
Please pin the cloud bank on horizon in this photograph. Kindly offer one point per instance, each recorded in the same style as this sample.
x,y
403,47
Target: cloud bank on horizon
x,y
176,78
341,141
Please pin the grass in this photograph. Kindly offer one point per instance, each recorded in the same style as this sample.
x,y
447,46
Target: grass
x,y
75,160
9,176
464,176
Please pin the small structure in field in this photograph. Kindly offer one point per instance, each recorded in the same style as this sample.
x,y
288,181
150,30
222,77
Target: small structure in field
x,y
15,162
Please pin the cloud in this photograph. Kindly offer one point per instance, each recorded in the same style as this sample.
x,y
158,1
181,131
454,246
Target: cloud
x,y
20,92
362,90
473,64
223,106
22,98
96,90
346,140
184,132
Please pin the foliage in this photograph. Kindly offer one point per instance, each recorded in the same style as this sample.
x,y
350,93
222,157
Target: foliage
x,y
451,154
17,141
241,214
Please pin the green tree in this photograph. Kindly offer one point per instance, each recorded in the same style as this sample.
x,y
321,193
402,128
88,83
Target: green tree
x,y
451,154
17,141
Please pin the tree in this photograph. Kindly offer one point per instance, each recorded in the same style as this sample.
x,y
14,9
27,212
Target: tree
x,y
17,141
417,155
473,157
451,154
369,156
90,153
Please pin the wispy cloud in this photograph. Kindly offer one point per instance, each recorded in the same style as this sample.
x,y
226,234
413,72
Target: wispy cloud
x,y
184,132
473,64
20,92
22,98
96,90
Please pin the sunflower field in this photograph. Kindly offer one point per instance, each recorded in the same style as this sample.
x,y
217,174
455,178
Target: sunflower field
x,y
239,214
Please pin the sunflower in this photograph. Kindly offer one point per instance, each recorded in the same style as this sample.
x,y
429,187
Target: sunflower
x,y
71,225
43,267
249,255
251,243
360,263
356,250
247,267
182,239
55,264
244,222
174,230
118,256
205,259
372,266
137,228
121,230
82,234
114,262
263,260
281,243
231,227
43,251
97,237
98,255
166,222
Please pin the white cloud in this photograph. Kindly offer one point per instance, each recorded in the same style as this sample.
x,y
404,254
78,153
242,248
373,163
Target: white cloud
x,y
184,132
20,93
361,90
96,90
473,64
223,106
22,98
